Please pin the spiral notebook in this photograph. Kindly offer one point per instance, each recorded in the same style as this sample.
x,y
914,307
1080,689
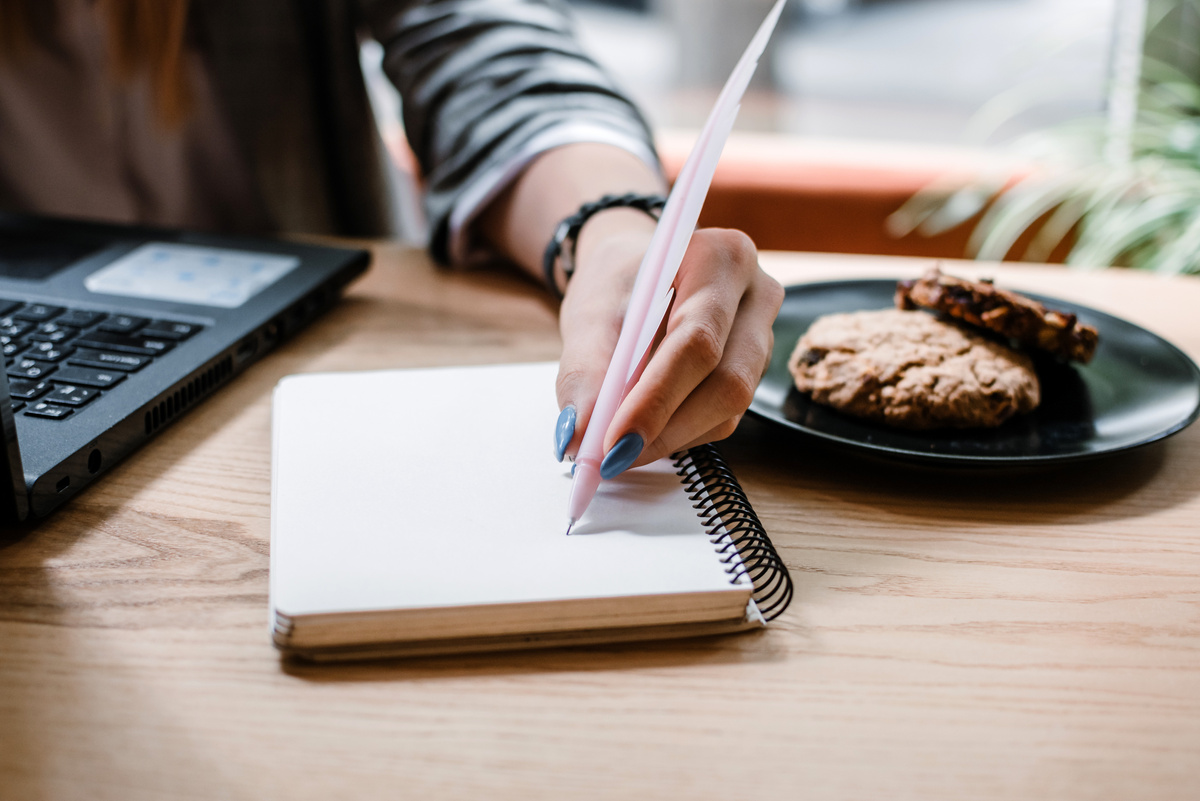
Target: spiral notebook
x,y
421,511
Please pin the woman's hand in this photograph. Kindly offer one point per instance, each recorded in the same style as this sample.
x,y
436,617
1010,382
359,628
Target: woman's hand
x,y
717,337
715,347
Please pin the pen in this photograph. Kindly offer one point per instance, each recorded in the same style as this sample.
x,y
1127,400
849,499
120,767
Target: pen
x,y
652,288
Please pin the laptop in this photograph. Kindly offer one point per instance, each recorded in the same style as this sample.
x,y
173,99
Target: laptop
x,y
110,333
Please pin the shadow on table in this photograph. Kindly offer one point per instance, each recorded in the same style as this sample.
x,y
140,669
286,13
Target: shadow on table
x,y
749,647
1105,488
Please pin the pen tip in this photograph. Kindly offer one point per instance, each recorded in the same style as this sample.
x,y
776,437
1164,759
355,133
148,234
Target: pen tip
x,y
570,525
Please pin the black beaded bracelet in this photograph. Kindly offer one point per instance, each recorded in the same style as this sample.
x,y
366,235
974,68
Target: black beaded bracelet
x,y
562,244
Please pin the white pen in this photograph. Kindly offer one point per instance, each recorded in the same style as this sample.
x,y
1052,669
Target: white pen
x,y
652,288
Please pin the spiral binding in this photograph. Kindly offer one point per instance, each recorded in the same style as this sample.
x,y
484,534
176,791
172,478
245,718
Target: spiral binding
x,y
734,528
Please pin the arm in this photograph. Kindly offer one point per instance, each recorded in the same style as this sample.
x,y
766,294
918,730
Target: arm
x,y
490,83
487,86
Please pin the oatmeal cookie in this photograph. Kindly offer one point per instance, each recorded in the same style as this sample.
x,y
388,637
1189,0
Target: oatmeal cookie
x,y
1006,313
911,370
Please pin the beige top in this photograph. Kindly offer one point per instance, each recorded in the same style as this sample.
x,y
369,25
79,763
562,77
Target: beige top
x,y
75,142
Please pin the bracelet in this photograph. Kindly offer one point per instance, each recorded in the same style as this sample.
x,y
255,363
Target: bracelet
x,y
562,244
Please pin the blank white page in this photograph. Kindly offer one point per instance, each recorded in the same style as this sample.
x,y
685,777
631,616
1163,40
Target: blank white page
x,y
438,488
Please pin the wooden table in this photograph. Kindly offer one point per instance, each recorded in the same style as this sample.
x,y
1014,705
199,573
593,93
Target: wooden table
x,y
952,637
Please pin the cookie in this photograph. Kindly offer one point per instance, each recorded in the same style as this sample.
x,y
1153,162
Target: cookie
x,y
1003,312
909,369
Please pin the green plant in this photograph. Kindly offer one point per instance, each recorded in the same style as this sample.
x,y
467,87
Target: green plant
x,y
1122,194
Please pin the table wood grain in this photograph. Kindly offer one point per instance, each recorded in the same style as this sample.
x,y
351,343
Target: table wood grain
x,y
953,636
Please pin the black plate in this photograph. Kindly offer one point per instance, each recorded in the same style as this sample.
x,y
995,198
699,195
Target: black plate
x,y
1137,389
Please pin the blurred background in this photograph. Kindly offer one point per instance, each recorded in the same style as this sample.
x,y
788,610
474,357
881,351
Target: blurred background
x,y
859,105
960,72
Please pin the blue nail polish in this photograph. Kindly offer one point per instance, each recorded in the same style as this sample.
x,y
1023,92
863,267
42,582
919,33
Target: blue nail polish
x,y
623,454
564,429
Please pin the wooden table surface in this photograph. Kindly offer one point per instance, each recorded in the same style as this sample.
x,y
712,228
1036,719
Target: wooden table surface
x,y
955,636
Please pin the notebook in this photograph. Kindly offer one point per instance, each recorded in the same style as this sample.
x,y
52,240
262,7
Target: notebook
x,y
440,526
110,333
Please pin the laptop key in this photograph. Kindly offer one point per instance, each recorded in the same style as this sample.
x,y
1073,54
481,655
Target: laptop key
x,y
47,352
71,395
37,312
89,377
11,346
78,318
128,362
125,343
29,369
122,324
166,329
48,410
27,390
11,327
53,332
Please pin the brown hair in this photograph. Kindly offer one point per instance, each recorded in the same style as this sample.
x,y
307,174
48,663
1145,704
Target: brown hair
x,y
144,37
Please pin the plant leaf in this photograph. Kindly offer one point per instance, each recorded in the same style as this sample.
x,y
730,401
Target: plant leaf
x,y
1016,210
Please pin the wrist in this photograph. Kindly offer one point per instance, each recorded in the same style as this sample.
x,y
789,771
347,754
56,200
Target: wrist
x,y
614,236
559,258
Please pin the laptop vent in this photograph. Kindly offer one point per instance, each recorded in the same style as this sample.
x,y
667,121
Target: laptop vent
x,y
188,394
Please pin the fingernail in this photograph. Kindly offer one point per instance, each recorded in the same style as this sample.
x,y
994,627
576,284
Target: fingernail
x,y
623,454
564,429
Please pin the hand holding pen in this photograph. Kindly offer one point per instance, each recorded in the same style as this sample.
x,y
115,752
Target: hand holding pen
x,y
699,374
716,348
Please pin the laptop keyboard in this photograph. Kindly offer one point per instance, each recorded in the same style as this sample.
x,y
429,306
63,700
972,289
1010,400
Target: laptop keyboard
x,y
60,360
